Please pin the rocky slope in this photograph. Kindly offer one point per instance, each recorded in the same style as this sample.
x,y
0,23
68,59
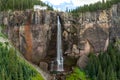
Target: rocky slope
x,y
34,33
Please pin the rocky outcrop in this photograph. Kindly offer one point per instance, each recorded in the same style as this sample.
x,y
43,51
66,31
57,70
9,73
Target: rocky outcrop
x,y
34,33
94,30
30,32
82,62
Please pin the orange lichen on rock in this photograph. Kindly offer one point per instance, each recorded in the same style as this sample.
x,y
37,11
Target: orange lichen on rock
x,y
28,38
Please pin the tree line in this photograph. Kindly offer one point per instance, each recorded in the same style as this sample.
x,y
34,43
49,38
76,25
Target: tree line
x,y
21,4
106,66
94,7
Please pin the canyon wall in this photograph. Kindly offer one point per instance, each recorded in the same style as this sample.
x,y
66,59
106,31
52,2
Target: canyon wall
x,y
34,33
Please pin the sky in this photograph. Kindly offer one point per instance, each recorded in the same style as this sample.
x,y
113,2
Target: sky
x,y
62,5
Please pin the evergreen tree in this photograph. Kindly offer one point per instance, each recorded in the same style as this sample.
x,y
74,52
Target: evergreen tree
x,y
94,7
13,67
108,67
21,5
103,76
100,74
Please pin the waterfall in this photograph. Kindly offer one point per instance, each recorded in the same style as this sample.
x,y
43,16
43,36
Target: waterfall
x,y
36,17
59,47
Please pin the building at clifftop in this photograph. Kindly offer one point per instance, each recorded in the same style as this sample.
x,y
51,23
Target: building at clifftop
x,y
38,7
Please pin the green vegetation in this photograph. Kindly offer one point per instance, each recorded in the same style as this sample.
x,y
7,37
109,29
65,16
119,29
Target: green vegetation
x,y
3,36
12,66
106,66
21,4
77,74
94,7
117,43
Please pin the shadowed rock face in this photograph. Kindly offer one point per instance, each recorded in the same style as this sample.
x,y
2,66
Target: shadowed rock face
x,y
31,32
96,37
34,33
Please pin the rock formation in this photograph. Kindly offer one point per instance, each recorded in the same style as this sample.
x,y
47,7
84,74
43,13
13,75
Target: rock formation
x,y
34,33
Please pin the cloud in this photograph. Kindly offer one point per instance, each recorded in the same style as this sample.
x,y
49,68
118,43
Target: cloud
x,y
83,2
56,2
60,4
75,2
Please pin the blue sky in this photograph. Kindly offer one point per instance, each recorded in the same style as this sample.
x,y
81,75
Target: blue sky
x,y
61,5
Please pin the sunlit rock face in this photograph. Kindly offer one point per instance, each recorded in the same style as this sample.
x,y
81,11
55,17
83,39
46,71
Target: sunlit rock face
x,y
34,33
94,30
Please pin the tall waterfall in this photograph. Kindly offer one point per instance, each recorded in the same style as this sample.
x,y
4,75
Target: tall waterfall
x,y
59,47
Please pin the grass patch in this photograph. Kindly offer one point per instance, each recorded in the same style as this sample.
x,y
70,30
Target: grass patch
x,y
77,74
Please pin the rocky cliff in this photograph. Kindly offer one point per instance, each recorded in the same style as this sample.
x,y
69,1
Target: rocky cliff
x,y
34,33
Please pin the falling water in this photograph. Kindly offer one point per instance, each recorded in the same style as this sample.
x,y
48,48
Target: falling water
x,y
59,47
36,18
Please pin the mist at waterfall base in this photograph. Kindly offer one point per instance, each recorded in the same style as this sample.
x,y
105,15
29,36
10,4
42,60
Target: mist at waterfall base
x,y
59,59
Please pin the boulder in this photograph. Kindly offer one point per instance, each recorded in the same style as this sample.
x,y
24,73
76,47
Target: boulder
x,y
5,21
82,61
43,66
75,50
65,34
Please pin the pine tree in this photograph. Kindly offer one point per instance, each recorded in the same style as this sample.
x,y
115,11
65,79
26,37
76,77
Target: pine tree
x,y
114,75
108,71
20,73
103,76
3,77
100,74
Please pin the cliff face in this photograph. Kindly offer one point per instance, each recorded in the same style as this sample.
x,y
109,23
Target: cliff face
x,y
34,33
30,32
92,31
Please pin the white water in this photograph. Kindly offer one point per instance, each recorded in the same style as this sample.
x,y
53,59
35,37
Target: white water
x,y
37,18
59,47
